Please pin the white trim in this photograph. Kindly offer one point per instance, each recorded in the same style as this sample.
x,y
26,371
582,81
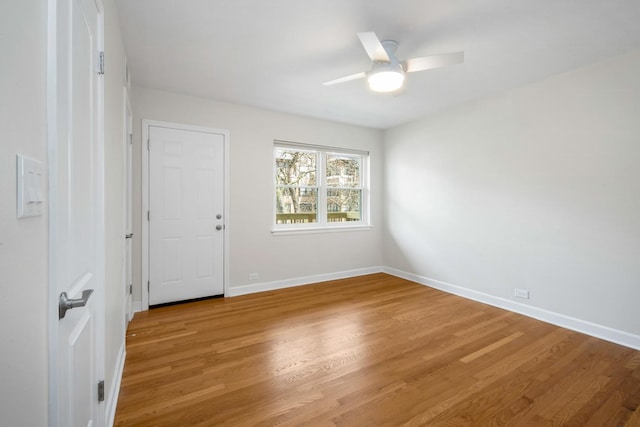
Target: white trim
x,y
128,314
317,147
52,136
127,74
144,229
300,281
317,230
599,331
146,124
127,198
114,389
101,234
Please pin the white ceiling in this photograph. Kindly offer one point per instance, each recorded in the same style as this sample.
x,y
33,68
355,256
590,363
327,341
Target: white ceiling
x,y
275,54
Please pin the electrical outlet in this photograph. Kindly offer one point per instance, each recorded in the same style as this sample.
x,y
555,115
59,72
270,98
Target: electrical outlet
x,y
521,293
253,276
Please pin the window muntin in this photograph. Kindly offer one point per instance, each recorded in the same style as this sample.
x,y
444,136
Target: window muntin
x,y
318,187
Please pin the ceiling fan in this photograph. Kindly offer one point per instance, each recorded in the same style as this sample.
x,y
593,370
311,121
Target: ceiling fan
x,y
387,73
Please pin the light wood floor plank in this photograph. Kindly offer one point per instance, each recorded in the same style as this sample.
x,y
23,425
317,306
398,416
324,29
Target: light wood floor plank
x,y
371,350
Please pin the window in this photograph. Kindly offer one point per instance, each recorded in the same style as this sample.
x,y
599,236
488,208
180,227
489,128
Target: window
x,y
319,187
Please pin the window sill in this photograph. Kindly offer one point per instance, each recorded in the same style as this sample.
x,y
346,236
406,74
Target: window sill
x,y
317,230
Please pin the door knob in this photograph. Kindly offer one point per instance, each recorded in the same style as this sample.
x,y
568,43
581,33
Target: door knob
x,y
128,236
218,227
218,216
65,304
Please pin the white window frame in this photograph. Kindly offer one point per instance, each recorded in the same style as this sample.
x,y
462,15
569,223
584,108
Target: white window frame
x,y
321,224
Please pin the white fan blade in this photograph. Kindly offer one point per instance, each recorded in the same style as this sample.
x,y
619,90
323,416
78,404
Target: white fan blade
x,y
372,45
433,61
345,79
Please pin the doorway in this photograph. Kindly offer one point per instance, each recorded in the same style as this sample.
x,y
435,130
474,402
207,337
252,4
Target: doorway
x,y
185,212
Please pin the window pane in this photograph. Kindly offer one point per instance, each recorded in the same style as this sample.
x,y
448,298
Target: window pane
x,y
343,205
294,167
343,170
294,205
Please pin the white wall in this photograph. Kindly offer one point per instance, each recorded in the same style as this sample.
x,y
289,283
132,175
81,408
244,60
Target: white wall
x,y
537,188
23,243
252,246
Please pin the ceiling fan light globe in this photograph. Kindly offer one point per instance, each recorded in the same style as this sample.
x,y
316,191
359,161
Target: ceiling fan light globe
x,y
385,81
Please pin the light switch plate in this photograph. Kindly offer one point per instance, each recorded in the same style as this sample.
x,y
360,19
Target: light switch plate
x,y
31,188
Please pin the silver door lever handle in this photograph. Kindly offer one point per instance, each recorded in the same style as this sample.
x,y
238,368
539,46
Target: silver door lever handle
x,y
65,304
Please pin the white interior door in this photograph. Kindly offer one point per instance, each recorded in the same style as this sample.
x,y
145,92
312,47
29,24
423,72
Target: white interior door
x,y
186,207
76,212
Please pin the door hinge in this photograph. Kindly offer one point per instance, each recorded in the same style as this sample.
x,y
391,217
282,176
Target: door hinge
x,y
148,216
101,63
130,289
131,138
101,391
148,145
148,285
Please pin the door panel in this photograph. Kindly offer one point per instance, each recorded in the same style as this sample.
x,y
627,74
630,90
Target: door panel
x,y
171,260
186,183
205,250
75,210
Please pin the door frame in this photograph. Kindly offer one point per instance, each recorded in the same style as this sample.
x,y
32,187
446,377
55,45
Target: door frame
x,y
52,151
146,124
127,196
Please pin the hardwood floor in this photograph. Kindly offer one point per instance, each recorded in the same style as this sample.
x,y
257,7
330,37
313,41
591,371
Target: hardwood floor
x,y
372,350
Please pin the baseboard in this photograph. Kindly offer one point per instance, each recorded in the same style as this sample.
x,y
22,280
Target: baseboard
x,y
599,331
299,281
114,391
603,332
